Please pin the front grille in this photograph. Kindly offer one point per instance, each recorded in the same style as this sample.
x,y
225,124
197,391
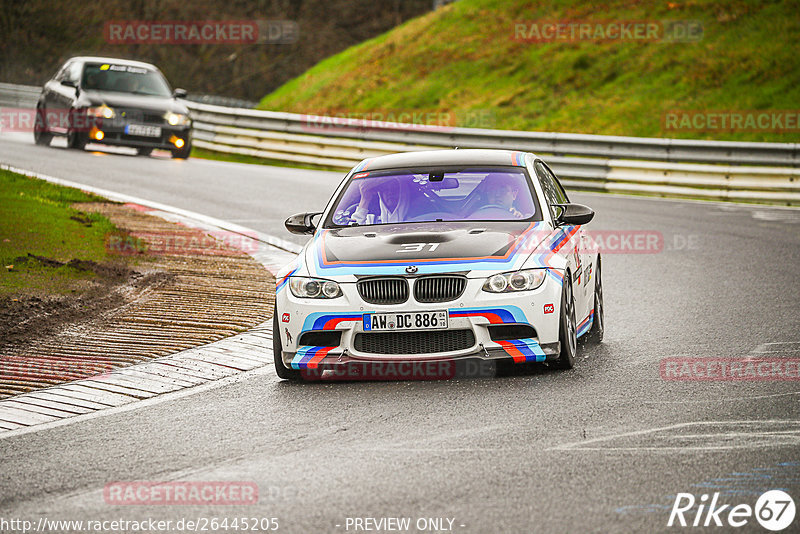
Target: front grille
x,y
153,119
132,115
414,342
139,116
383,290
439,288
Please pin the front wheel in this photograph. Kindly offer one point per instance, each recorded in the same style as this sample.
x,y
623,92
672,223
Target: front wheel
x,y
41,135
595,333
76,139
144,151
182,153
567,331
277,349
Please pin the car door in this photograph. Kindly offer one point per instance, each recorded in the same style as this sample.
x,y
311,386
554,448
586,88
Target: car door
x,y
62,96
576,248
48,100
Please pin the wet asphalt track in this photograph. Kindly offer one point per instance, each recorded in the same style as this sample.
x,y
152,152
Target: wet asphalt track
x,y
601,448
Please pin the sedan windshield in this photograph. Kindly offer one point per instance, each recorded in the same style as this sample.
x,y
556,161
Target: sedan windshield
x,y
124,79
430,195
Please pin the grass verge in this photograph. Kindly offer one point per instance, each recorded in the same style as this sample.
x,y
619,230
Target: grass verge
x,y
45,242
469,63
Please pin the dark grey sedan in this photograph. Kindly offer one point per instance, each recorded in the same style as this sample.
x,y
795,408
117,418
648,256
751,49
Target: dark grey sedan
x,y
113,102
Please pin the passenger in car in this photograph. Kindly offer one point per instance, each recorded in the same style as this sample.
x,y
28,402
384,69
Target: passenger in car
x,y
392,197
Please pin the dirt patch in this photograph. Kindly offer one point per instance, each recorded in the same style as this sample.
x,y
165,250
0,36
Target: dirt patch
x,y
186,288
26,319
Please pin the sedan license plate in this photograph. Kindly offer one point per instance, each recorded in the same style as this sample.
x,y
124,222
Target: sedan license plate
x,y
389,322
143,131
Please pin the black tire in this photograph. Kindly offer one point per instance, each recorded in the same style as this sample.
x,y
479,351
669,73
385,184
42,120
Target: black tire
x,y
182,153
277,349
595,333
567,331
75,139
144,151
41,135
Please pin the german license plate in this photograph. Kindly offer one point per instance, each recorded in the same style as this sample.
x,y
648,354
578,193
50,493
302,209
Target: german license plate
x,y
388,322
143,131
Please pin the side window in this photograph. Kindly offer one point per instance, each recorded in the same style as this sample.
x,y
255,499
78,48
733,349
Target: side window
x,y
74,72
559,188
551,190
62,72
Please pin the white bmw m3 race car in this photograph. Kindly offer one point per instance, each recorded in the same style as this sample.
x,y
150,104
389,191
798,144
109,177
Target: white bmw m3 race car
x,y
439,256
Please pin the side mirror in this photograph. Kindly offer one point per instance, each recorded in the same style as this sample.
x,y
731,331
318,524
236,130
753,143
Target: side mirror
x,y
573,214
70,83
179,93
302,223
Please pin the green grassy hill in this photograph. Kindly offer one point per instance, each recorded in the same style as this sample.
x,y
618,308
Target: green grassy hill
x,y
464,61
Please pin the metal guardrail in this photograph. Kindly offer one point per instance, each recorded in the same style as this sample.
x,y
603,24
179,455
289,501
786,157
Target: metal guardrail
x,y
714,170
18,96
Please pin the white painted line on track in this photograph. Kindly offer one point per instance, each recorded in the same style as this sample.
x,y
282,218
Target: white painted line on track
x,y
751,429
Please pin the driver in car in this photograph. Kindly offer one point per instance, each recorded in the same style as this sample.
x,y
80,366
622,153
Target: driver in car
x,y
501,193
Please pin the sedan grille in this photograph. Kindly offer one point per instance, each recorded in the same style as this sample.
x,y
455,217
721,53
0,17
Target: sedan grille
x,y
137,115
132,115
383,290
439,288
424,342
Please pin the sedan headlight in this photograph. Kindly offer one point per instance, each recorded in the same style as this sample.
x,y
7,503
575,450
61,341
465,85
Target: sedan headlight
x,y
314,288
103,111
176,119
516,281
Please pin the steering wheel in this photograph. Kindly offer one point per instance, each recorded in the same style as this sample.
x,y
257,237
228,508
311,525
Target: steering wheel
x,y
341,218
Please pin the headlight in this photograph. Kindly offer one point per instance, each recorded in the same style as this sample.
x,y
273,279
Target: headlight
x,y
314,288
176,119
102,111
516,281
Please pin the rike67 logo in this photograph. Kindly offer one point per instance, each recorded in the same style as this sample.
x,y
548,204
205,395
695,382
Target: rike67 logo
x,y
774,510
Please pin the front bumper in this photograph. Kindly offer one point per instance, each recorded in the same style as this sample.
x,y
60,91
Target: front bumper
x,y
320,334
115,133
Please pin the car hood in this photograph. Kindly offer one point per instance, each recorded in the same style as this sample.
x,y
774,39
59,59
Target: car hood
x,y
422,249
128,100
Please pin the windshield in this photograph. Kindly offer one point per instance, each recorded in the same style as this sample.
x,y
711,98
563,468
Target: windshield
x,y
124,79
430,195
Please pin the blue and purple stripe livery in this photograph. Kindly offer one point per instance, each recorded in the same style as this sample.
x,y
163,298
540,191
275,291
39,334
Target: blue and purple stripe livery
x,y
586,324
308,357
